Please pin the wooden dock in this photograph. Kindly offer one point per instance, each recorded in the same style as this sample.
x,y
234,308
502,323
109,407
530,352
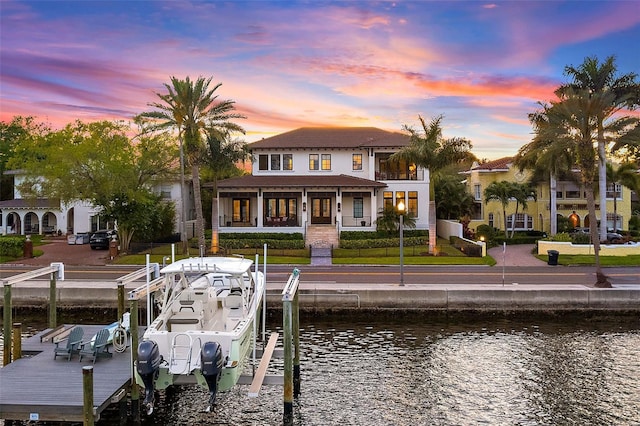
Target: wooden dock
x,y
39,388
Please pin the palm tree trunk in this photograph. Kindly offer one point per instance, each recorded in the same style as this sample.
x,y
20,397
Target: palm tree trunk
x,y
215,225
553,204
615,211
504,218
432,227
183,226
197,195
602,181
601,279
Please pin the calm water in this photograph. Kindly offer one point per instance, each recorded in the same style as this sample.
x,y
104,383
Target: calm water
x,y
425,372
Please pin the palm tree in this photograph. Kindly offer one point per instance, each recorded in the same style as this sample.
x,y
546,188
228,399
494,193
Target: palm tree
x,y
627,175
573,122
599,78
389,220
192,108
521,193
453,201
222,156
548,160
502,192
430,150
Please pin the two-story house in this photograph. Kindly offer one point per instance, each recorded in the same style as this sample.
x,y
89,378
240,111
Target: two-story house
x,y
320,181
23,216
568,200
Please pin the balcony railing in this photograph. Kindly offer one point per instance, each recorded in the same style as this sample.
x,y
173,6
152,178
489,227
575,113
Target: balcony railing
x,y
356,221
405,175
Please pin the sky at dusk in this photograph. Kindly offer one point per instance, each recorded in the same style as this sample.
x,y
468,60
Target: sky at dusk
x,y
483,65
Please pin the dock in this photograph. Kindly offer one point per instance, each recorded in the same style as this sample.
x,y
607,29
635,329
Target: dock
x,y
38,388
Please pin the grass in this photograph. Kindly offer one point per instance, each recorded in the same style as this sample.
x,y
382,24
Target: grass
x,y
589,260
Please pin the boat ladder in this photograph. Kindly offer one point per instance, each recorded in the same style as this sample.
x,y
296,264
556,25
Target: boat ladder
x,y
180,355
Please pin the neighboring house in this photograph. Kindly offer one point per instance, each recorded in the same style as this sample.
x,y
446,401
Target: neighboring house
x,y
23,216
570,201
320,181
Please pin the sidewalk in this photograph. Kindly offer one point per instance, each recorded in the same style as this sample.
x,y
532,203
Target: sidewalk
x,y
516,255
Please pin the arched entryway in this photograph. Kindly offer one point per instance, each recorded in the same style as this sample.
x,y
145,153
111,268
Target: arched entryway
x,y
14,225
574,220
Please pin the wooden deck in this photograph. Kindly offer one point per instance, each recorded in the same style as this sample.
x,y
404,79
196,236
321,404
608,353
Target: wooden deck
x,y
37,387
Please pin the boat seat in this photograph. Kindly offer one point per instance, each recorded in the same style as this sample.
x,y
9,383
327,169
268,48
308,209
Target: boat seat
x,y
233,301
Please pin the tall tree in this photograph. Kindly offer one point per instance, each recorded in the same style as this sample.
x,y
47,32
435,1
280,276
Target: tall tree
x,y
223,153
430,150
622,92
193,109
97,163
521,193
626,175
502,192
573,121
453,201
548,160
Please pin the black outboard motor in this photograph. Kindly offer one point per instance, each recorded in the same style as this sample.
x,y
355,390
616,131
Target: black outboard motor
x,y
211,367
148,365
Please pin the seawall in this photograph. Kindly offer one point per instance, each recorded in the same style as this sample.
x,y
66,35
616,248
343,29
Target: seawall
x,y
486,298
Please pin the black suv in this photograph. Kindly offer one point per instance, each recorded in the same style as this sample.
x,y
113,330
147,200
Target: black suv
x,y
101,239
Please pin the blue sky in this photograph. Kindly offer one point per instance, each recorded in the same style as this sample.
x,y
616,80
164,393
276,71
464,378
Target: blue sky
x,y
483,65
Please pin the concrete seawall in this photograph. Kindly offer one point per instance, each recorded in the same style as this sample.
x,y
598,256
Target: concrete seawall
x,y
318,296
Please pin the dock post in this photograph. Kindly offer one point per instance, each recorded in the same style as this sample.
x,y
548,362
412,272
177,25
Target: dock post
x,y
53,322
17,341
87,392
296,346
289,318
287,419
135,390
120,300
6,318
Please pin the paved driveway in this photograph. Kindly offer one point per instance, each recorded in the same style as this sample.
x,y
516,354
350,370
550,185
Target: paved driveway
x,y
516,255
57,250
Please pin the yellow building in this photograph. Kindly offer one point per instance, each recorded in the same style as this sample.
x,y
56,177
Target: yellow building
x,y
570,200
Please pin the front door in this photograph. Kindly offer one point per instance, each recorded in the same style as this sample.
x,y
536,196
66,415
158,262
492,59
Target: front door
x,y
321,210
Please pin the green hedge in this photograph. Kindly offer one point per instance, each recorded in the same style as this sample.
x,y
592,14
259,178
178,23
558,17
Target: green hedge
x,y
11,246
470,249
383,242
374,235
238,240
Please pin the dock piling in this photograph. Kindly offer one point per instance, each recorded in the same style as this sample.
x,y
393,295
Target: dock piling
x,y
53,320
135,390
289,319
87,391
17,341
6,318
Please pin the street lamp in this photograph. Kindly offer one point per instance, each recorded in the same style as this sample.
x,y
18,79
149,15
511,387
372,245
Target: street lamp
x,y
401,211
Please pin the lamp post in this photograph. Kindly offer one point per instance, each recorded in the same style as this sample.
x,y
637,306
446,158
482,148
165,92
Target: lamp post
x,y
401,211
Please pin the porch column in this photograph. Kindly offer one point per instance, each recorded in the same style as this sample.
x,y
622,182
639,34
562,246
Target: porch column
x,y
374,203
260,209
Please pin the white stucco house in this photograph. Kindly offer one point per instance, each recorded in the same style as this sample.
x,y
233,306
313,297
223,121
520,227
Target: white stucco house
x,y
23,216
320,181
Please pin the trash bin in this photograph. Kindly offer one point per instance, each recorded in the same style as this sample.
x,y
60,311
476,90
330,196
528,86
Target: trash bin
x,y
553,257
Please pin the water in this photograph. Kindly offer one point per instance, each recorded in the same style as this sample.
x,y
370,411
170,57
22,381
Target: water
x,y
424,371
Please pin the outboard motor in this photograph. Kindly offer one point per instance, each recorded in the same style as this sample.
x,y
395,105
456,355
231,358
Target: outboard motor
x,y
211,368
148,365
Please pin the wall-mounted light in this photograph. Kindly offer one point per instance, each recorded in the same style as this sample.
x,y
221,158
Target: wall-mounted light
x,y
339,206
304,206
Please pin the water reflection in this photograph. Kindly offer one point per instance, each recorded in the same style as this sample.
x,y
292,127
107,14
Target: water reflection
x,y
424,372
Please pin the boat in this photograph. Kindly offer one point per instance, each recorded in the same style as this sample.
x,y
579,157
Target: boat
x,y
205,330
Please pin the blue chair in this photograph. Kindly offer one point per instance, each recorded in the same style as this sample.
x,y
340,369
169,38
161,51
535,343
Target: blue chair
x,y
98,348
72,346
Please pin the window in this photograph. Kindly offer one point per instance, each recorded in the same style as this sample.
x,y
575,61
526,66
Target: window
x,y
477,192
356,160
400,197
614,190
522,221
412,206
572,194
287,162
387,197
491,224
275,161
326,161
314,161
263,162
358,208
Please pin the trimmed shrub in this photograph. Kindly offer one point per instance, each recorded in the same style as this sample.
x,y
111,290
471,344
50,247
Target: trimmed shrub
x,y
11,246
470,249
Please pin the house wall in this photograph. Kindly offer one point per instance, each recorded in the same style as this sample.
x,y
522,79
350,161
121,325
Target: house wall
x,y
539,210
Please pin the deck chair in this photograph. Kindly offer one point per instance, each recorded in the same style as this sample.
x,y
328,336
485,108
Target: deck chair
x,y
71,344
98,348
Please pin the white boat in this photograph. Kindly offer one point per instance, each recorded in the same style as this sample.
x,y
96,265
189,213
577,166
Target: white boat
x,y
205,330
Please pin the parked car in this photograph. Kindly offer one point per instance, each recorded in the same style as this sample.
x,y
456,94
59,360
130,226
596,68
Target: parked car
x,y
614,238
101,239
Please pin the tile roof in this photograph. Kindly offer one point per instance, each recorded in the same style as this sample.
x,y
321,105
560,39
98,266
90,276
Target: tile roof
x,y
280,181
23,203
499,164
333,137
